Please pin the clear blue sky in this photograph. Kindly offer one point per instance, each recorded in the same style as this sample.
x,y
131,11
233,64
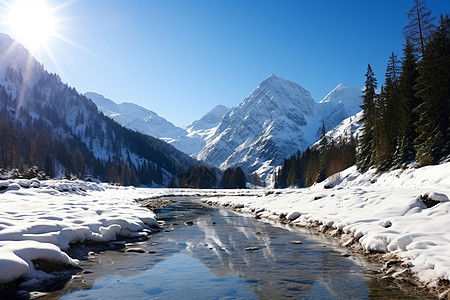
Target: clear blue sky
x,y
182,58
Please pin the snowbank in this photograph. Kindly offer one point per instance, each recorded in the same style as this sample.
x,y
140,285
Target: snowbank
x,y
384,211
39,219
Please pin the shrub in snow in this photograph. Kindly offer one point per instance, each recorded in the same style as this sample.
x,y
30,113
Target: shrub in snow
x,y
433,199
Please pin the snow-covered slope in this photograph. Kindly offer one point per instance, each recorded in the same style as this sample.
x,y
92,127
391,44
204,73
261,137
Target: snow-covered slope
x,y
199,131
278,118
341,103
190,139
350,127
19,70
263,129
136,117
210,120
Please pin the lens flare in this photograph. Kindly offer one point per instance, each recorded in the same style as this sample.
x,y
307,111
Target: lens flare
x,y
32,22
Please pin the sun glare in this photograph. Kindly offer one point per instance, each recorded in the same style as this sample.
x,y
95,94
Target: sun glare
x,y
32,22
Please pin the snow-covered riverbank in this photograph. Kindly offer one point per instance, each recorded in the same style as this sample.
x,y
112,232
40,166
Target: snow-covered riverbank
x,y
384,212
38,219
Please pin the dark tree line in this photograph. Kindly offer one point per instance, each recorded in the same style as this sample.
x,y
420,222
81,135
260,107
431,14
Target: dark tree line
x,y
201,177
316,164
233,179
409,119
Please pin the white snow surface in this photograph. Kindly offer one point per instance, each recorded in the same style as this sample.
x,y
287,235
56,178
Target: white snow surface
x,y
384,211
39,219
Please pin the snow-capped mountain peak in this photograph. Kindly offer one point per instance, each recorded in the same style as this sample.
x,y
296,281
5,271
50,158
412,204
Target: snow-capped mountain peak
x,y
350,96
284,94
209,120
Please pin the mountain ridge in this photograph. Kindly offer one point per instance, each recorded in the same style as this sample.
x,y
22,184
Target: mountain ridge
x,y
275,120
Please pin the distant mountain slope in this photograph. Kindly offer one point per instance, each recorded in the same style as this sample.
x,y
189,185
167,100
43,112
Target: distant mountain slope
x,y
189,139
136,117
210,120
350,127
46,123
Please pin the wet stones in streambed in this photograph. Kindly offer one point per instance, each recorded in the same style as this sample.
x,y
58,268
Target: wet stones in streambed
x,y
117,243
152,252
135,250
295,242
188,223
252,248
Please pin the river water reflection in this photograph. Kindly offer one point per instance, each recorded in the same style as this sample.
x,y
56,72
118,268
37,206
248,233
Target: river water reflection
x,y
209,260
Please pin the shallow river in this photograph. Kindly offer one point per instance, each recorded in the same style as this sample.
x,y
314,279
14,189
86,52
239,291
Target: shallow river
x,y
209,260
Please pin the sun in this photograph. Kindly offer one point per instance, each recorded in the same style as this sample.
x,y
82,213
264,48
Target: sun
x,y
32,22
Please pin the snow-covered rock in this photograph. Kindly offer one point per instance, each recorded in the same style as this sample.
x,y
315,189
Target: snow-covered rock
x,y
210,120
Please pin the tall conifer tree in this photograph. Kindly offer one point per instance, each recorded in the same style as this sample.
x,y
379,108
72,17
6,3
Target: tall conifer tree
x,y
433,142
366,147
408,101
391,117
420,26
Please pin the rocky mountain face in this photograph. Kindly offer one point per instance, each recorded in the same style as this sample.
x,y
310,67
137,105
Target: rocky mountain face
x,y
45,122
278,118
266,126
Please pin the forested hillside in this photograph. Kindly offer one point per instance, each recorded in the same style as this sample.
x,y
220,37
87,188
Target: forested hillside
x,y
48,124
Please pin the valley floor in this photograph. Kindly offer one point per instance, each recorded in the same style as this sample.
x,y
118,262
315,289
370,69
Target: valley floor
x,y
381,212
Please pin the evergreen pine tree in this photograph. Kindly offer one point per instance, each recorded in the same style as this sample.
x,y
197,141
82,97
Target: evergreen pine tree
x,y
433,142
390,113
408,101
366,147
420,26
292,174
323,159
